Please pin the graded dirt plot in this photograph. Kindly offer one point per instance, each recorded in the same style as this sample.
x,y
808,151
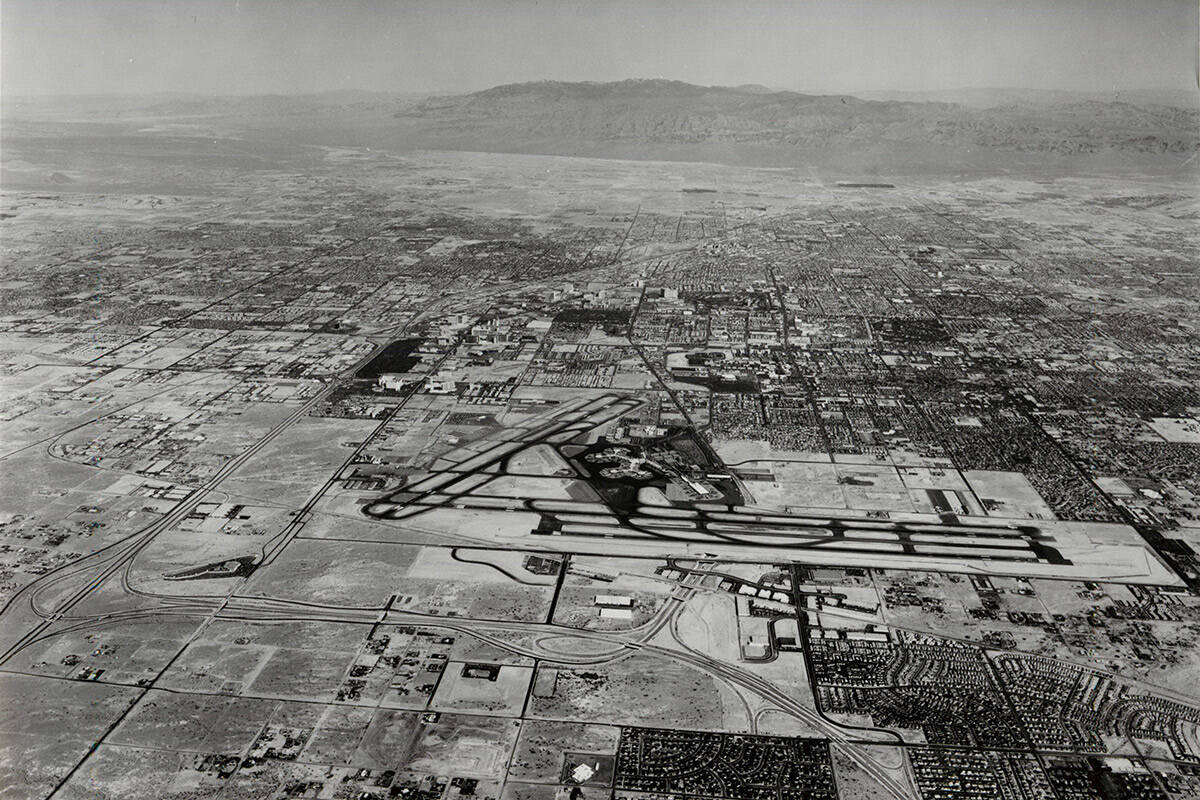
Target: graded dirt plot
x,y
772,722
301,674
540,747
216,667
637,691
709,623
388,740
1177,429
1008,494
334,573
507,563
193,723
737,452
473,583
476,747
594,583
299,660
303,634
476,566
449,598
337,734
298,461
871,488
473,687
855,782
540,791
924,477
795,485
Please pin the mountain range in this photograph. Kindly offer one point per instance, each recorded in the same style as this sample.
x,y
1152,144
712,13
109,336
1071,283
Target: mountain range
x,y
1006,130
661,112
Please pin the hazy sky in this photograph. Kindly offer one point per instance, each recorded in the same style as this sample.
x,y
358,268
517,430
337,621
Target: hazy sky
x,y
260,46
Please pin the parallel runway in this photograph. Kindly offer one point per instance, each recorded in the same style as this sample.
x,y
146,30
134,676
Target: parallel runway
x,y
460,484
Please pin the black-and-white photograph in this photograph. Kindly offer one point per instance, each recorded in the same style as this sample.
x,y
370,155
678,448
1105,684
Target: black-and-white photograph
x,y
599,400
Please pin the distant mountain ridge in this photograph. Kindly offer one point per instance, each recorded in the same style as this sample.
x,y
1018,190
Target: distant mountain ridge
x,y
664,112
839,136
1006,96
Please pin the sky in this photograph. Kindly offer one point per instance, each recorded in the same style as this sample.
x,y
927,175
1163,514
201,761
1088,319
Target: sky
x,y
298,46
